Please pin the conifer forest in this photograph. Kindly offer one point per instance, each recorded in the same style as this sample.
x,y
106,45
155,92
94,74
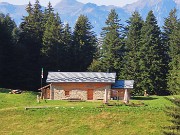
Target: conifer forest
x,y
141,50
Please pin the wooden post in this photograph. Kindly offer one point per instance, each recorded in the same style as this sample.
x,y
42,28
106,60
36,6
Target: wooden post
x,y
106,97
42,94
126,97
38,99
117,95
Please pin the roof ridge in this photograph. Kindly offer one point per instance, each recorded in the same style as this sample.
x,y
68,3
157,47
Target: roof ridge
x,y
79,72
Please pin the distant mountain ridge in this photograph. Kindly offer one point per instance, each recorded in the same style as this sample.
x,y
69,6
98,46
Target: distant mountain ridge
x,y
161,8
15,11
69,11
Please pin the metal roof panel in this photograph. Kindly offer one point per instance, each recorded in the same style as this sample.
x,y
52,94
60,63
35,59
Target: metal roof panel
x,y
123,84
81,77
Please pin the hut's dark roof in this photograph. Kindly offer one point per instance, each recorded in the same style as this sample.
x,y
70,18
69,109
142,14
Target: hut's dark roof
x,y
123,84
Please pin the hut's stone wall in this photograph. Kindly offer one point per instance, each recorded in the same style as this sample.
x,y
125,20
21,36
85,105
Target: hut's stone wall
x,y
78,94
100,93
79,90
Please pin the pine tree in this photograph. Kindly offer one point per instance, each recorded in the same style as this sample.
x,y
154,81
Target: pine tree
x,y
174,65
174,113
131,59
49,10
52,44
170,24
47,13
112,50
97,64
151,63
37,21
7,26
25,26
31,41
25,37
171,41
84,44
67,48
112,47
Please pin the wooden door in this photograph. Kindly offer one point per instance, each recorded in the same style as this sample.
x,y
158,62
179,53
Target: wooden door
x,y
48,93
90,94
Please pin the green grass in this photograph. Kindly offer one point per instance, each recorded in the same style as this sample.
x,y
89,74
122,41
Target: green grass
x,y
81,118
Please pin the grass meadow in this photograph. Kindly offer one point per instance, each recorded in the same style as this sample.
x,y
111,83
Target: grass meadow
x,y
81,118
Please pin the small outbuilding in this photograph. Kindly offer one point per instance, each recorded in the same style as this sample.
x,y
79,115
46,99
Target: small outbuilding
x,y
45,91
121,88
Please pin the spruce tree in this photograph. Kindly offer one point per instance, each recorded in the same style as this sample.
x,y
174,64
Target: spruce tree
x,y
47,13
27,21
84,44
171,41
49,10
131,60
151,63
25,38
174,65
67,48
112,47
7,26
52,44
170,24
31,39
37,21
174,113
112,50
97,63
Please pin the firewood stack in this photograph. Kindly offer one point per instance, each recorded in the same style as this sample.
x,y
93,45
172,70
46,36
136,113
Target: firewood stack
x,y
16,91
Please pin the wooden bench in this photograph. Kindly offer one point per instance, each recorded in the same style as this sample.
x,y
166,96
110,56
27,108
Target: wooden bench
x,y
75,100
35,107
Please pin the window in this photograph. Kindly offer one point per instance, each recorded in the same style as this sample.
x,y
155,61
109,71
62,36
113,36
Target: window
x,y
66,92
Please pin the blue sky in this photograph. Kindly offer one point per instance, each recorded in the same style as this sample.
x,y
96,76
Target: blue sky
x,y
53,2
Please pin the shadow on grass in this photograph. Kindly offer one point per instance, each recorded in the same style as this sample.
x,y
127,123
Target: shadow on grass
x,y
32,92
4,90
143,98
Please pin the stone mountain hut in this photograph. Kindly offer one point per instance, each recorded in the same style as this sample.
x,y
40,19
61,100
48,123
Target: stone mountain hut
x,y
81,85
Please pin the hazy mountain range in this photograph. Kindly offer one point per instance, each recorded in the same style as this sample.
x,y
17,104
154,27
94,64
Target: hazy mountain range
x,y
69,11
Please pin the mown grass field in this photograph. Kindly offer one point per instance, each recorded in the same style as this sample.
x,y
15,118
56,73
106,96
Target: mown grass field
x,y
80,118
